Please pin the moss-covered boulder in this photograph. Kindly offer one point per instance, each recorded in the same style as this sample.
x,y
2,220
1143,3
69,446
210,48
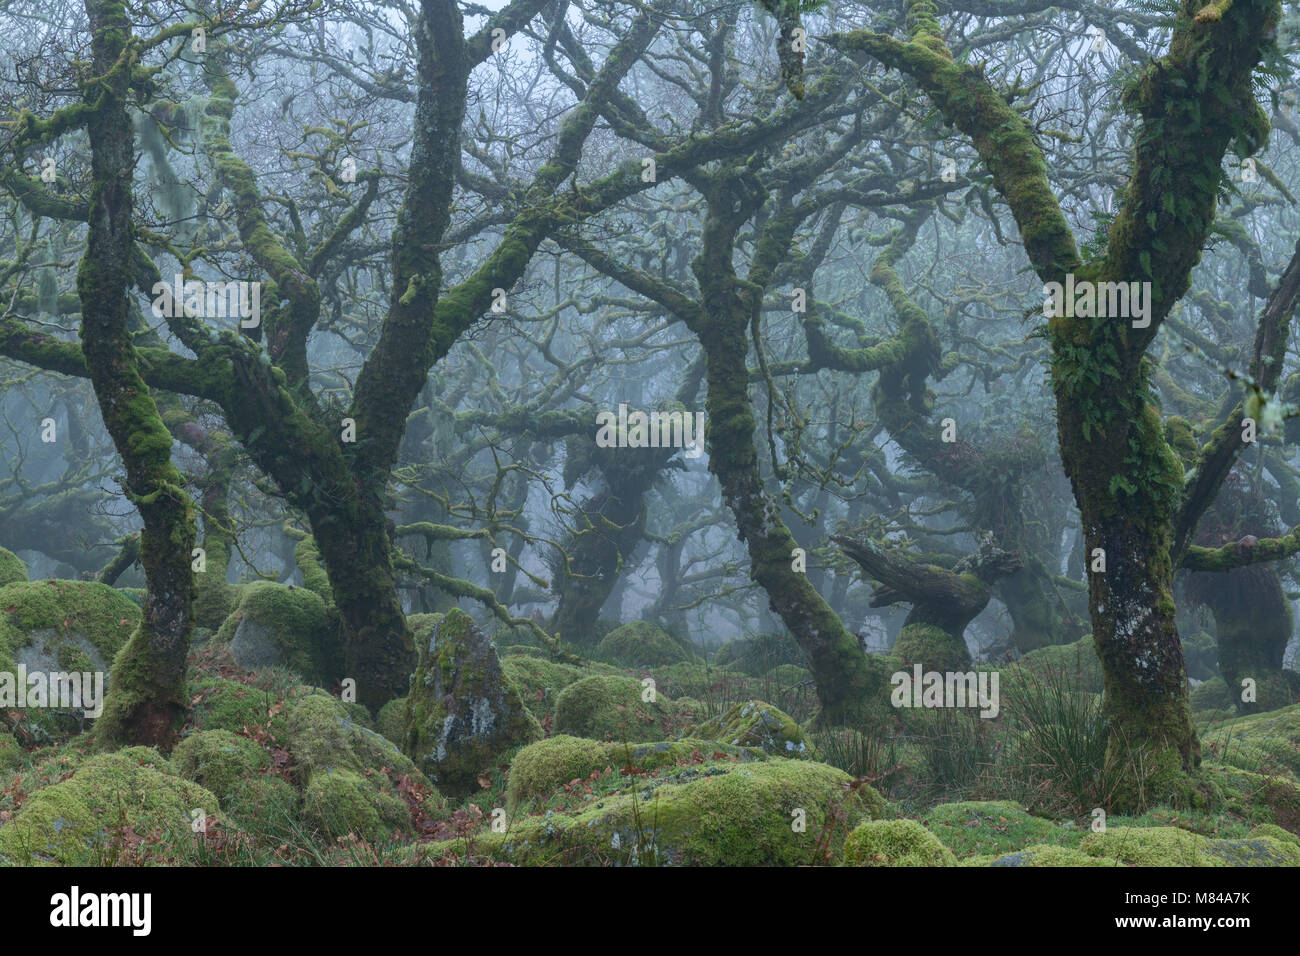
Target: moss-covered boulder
x,y
218,760
61,626
278,625
1274,831
1077,665
349,773
218,703
265,804
1170,846
12,569
548,764
1046,855
1255,797
544,765
613,708
994,827
462,713
11,754
539,680
342,802
753,723
895,843
765,813
642,644
83,821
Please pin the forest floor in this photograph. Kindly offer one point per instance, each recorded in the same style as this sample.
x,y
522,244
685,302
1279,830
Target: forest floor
x,y
718,767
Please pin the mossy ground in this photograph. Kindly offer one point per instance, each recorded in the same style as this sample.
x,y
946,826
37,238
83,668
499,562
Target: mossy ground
x,y
293,775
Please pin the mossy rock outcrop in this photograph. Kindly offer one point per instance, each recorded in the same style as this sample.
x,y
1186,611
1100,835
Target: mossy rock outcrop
x,y
1276,832
1256,797
349,773
61,626
765,813
11,754
895,843
541,767
754,723
82,821
12,569
642,644
265,804
462,712
1170,846
613,708
278,625
218,760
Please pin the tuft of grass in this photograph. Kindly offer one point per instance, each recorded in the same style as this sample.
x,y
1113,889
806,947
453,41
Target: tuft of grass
x,y
1057,760
958,750
869,754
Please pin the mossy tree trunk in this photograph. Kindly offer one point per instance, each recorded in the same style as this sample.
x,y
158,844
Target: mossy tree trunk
x,y
1127,482
146,698
215,596
844,681
1252,616
611,524
996,479
943,602
1253,625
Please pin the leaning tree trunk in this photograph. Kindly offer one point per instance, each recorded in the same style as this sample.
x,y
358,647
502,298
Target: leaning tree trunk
x,y
943,602
146,697
840,669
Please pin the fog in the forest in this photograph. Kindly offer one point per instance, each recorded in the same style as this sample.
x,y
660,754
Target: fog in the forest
x,y
758,350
